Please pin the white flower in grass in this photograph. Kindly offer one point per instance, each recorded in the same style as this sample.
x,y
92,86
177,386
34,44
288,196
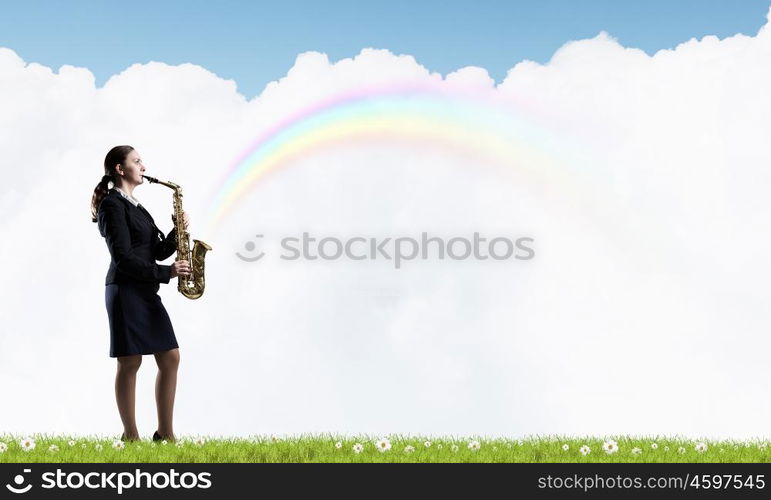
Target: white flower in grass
x,y
654,446
274,438
98,447
339,445
666,448
152,445
610,447
383,445
118,444
3,447
585,450
427,444
474,445
27,444
409,449
358,448
53,448
700,447
199,441
454,448
71,442
636,451
681,450
565,447
164,442
180,444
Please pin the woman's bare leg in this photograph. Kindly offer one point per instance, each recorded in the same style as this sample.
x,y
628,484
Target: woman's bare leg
x,y
165,390
125,393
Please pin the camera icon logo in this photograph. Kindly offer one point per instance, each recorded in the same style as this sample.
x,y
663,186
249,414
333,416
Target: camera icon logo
x,y
18,480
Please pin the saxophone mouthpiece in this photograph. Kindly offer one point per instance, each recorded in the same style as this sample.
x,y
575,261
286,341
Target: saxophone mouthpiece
x,y
150,179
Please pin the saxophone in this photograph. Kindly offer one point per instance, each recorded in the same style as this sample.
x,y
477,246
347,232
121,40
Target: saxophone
x,y
192,285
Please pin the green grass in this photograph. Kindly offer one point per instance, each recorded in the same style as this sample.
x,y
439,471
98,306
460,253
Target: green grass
x,y
323,448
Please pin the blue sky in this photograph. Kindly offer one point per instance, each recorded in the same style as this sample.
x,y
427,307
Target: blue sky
x,y
256,42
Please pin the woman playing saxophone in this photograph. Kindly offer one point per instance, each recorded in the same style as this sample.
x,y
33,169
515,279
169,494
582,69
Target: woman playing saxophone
x,y
139,323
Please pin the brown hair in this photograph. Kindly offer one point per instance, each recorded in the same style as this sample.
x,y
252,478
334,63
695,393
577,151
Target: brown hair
x,y
114,156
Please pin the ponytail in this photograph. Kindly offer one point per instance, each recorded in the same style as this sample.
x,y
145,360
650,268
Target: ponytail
x,y
100,191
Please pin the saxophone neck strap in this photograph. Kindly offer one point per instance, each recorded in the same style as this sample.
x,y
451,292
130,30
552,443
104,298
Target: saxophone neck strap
x,y
150,219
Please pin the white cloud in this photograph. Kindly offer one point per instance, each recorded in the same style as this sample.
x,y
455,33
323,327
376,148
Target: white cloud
x,y
643,311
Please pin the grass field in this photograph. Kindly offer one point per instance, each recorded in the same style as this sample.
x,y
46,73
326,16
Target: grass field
x,y
393,448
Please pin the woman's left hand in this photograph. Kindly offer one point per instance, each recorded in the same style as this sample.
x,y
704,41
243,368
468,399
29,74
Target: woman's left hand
x,y
185,220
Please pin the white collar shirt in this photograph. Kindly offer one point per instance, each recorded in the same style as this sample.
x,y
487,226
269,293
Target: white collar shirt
x,y
133,200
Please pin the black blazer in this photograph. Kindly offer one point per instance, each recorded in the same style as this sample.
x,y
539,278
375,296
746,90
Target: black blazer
x,y
134,241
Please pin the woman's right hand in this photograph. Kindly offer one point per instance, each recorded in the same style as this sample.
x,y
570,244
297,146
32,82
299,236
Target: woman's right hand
x,y
180,267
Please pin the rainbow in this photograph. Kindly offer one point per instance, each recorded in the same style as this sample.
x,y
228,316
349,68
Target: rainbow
x,y
423,116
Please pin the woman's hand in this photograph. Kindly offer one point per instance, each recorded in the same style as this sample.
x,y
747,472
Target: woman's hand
x,y
185,220
180,267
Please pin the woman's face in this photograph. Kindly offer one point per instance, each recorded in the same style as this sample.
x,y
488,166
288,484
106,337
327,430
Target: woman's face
x,y
132,169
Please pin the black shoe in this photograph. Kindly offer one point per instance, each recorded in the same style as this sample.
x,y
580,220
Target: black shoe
x,y
158,437
123,438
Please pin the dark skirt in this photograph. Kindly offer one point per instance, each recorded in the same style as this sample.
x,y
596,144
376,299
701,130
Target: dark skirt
x,y
139,324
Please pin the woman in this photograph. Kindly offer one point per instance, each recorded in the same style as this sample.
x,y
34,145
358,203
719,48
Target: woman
x,y
139,323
